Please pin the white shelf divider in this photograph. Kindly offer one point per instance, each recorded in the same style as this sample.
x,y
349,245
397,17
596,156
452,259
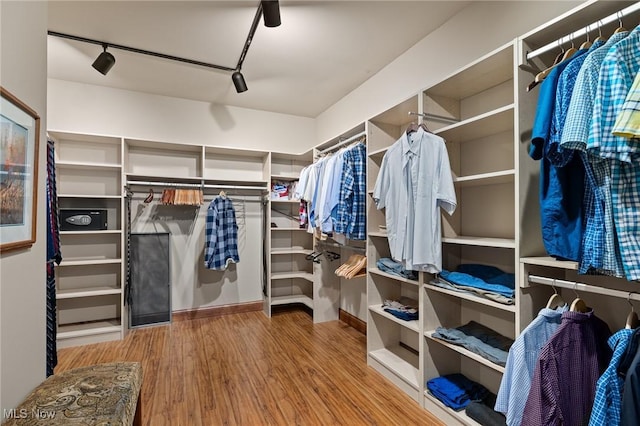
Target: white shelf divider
x,y
465,352
472,298
481,241
87,292
294,298
411,325
377,271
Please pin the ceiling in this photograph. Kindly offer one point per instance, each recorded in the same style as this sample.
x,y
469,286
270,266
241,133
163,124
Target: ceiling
x,y
322,50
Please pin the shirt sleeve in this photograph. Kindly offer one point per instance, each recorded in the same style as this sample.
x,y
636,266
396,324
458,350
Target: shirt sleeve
x,y
383,182
446,191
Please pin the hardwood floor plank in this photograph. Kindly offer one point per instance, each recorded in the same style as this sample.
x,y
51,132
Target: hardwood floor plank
x,y
247,369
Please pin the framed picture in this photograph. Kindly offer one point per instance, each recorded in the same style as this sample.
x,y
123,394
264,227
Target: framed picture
x,y
19,133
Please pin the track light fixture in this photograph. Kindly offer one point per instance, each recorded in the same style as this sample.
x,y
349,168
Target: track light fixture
x,y
238,81
268,9
271,13
104,62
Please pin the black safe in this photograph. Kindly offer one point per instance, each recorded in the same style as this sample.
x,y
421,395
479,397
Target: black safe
x,y
83,219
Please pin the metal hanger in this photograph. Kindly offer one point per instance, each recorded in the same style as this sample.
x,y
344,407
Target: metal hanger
x,y
578,305
632,319
555,301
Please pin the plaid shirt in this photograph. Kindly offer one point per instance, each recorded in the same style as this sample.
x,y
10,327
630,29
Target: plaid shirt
x,y
351,214
607,403
599,245
628,121
221,244
617,73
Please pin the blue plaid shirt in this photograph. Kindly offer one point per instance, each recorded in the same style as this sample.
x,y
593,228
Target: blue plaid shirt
x,y
617,73
351,213
607,403
599,244
221,243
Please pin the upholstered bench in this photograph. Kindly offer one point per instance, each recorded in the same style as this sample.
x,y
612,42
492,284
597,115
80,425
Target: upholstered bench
x,y
103,394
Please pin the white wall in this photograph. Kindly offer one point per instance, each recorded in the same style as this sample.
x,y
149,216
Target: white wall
x,y
23,72
85,108
192,285
474,31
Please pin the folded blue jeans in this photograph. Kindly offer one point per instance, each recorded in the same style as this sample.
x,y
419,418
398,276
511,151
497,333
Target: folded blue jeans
x,y
479,342
389,265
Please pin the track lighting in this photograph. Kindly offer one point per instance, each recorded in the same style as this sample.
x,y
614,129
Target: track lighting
x,y
104,62
238,81
271,13
268,9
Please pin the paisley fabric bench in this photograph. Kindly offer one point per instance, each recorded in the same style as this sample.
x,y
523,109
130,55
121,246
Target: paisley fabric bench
x,y
103,394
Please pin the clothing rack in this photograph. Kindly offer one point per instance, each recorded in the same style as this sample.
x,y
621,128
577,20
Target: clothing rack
x,y
583,31
435,117
344,142
353,248
576,286
197,185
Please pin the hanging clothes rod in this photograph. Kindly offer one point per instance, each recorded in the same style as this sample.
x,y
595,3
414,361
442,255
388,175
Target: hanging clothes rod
x,y
196,185
583,287
583,31
435,117
344,142
353,248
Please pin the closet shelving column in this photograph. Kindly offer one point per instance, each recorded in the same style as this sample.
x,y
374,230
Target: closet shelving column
x,y
393,345
89,280
290,274
534,261
480,144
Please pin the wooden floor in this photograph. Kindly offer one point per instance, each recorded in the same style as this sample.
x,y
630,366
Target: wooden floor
x,y
247,369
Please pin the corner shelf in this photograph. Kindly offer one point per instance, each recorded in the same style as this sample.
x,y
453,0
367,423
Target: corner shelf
x,y
294,298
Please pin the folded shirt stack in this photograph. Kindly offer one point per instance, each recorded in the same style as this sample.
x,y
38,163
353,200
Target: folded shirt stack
x,y
480,280
386,264
404,308
479,339
482,413
456,391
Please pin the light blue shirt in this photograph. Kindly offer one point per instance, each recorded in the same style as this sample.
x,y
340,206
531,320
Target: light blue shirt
x,y
414,182
521,362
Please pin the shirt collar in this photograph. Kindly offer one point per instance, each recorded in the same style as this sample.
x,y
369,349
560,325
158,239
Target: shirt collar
x,y
407,146
552,314
620,336
577,316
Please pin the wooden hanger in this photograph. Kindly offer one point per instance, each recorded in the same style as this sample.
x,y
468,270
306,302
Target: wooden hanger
x,y
621,27
600,37
632,319
587,43
578,305
223,194
543,74
555,301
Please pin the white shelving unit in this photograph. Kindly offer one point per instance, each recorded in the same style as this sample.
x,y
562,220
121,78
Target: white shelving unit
x,y
89,279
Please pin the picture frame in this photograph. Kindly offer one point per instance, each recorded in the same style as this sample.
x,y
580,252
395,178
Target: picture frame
x,y
19,141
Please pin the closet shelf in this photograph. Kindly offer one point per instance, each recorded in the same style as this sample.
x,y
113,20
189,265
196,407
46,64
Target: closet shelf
x,y
481,241
293,229
377,271
491,178
84,329
294,298
86,262
471,298
400,362
483,125
163,178
289,275
87,292
378,153
94,196
411,325
492,69
464,352
107,231
285,178
461,416
296,250
285,201
87,165
550,261
378,234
